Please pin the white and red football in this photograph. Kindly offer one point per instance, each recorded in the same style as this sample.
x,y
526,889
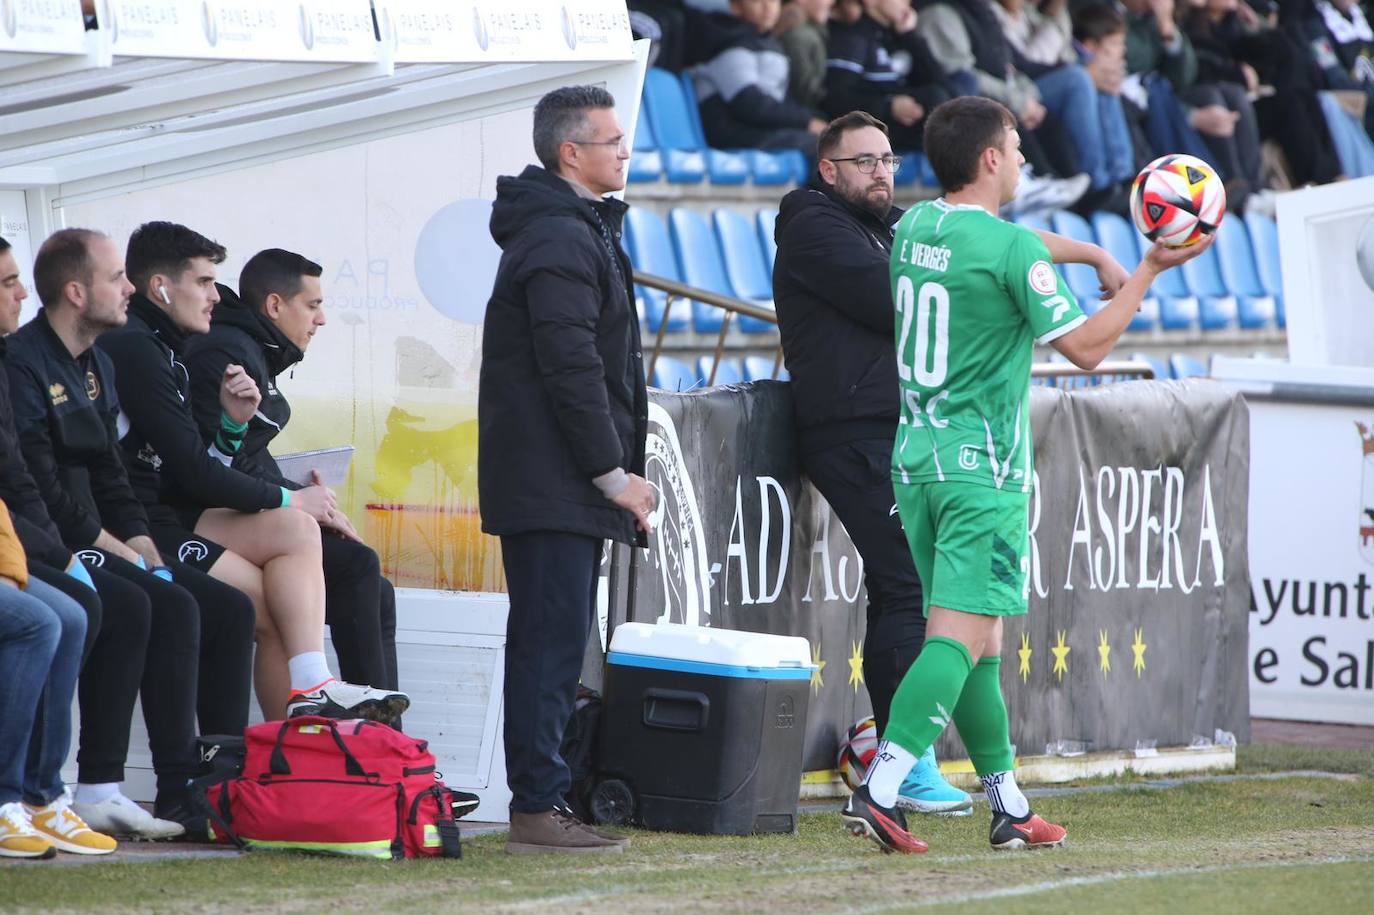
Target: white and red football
x,y
1177,200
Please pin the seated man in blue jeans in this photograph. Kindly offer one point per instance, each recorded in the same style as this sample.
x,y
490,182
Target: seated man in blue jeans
x,y
1041,41
42,633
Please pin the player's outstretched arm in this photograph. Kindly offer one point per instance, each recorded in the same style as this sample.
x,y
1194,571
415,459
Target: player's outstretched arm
x,y
1089,343
1111,276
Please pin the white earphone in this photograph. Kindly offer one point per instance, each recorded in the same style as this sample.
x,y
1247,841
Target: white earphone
x,y
162,291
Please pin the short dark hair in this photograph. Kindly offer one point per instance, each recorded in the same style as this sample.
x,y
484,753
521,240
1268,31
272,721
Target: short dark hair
x,y
562,113
167,248
4,244
1097,21
834,132
958,131
274,270
64,257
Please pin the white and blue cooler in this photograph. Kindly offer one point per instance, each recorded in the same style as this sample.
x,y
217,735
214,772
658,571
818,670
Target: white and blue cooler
x,y
702,729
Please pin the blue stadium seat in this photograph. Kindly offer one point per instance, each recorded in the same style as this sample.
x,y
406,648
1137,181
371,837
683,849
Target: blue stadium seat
x,y
650,250
801,169
1081,278
1236,259
909,174
745,267
1185,366
1118,237
699,259
1216,305
723,167
1178,307
760,368
1264,241
646,164
766,220
1036,221
671,374
769,168
728,372
1161,368
671,123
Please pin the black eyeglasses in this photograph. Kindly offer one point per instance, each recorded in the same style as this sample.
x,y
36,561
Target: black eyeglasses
x,y
620,143
868,164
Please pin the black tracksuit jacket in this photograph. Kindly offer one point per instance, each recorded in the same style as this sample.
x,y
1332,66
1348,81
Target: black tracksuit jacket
x,y
241,337
67,411
169,460
41,539
832,290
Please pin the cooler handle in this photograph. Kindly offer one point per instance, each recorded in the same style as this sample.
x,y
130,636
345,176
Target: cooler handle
x,y
676,709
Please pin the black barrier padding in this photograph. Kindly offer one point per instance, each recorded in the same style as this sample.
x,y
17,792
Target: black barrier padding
x,y
1139,545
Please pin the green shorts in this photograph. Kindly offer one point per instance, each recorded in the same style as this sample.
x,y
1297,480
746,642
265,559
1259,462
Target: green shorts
x,y
970,543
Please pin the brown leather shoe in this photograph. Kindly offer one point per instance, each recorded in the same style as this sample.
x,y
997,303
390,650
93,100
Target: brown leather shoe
x,y
553,832
623,841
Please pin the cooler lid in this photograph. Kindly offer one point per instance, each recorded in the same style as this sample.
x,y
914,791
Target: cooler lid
x,y
729,647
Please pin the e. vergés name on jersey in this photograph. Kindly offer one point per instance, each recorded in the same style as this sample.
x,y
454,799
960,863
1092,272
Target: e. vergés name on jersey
x,y
920,254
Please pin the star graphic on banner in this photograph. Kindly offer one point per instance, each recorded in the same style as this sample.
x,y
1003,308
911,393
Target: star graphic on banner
x,y
1060,650
1024,653
856,667
817,665
1104,653
1138,649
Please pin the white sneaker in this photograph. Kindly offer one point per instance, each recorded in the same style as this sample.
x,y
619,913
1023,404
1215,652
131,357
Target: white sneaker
x,y
336,699
1263,202
1035,194
119,816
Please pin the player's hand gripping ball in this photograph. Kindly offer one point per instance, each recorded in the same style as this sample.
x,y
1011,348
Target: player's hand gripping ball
x,y
1177,200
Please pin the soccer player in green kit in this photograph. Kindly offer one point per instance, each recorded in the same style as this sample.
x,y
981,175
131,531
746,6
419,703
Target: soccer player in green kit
x,y
971,294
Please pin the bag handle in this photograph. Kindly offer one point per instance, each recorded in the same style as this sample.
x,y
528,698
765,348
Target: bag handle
x,y
280,766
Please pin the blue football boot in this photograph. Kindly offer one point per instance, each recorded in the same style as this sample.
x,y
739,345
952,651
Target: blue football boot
x,y
926,791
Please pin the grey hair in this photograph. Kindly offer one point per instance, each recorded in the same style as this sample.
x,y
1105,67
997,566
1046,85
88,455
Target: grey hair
x,y
561,115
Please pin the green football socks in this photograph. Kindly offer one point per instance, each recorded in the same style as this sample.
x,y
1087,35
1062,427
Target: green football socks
x,y
981,717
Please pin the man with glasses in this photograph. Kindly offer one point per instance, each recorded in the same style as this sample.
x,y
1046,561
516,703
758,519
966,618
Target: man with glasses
x,y
831,289
562,414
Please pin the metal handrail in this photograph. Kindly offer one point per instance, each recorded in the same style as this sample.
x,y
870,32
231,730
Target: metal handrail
x,y
733,306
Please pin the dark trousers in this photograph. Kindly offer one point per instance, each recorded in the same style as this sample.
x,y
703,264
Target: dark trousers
x,y
855,479
360,608
551,577
1237,157
225,680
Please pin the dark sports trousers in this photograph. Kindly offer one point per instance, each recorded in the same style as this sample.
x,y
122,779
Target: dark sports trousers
x,y
551,577
88,599
169,679
360,608
856,480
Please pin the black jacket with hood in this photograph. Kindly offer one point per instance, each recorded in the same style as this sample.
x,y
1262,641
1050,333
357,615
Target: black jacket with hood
x,y
243,337
561,396
40,537
166,454
832,291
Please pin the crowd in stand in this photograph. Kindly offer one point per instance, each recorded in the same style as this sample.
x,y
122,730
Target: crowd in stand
x,y
1275,95
150,545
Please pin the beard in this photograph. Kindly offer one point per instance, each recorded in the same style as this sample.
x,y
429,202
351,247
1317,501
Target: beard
x,y
863,197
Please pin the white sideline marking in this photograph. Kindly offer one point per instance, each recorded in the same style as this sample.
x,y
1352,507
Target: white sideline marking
x,y
1098,879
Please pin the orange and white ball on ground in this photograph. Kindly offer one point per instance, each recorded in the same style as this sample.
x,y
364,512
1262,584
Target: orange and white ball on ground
x,y
857,749
1177,200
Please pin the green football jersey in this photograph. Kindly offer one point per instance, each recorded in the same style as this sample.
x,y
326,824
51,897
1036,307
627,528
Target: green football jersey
x,y
972,292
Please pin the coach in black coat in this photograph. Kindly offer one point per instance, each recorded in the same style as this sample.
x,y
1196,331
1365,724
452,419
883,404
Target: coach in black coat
x,y
562,413
562,398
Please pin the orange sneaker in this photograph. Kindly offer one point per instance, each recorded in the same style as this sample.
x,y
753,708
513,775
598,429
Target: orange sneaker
x,y
1031,832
